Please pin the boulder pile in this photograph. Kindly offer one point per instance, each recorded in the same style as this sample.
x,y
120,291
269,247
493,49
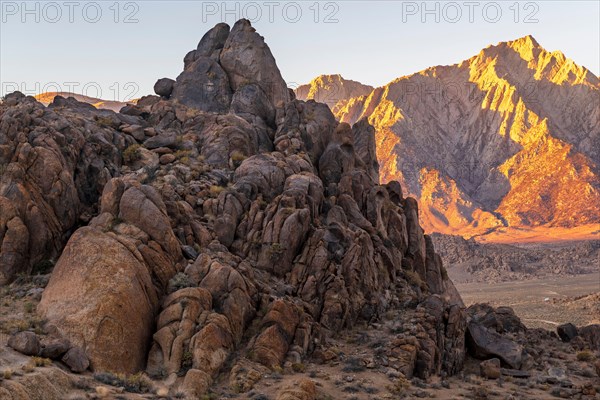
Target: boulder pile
x,y
221,225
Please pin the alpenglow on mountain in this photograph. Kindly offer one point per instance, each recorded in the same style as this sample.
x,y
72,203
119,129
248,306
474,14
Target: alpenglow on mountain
x,y
507,138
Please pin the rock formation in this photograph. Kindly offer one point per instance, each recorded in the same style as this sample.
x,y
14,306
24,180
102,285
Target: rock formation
x,y
54,163
507,138
222,225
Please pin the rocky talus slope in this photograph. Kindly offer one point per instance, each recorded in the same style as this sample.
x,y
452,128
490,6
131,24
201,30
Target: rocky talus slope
x,y
507,138
221,227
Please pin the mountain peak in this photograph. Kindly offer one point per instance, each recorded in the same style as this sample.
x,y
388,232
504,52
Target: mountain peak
x,y
553,66
234,63
320,79
330,89
527,47
526,41
330,78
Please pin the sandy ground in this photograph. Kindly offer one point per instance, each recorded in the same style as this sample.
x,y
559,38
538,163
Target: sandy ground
x,y
534,301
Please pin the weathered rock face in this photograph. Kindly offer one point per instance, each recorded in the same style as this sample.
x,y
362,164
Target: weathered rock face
x,y
442,346
364,144
247,59
121,264
288,236
54,163
115,321
203,85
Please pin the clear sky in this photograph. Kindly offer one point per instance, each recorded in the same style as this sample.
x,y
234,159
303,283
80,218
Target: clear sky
x,y
118,50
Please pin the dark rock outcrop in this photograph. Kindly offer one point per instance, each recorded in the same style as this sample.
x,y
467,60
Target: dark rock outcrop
x,y
231,69
567,332
483,343
26,343
501,319
76,360
591,334
164,87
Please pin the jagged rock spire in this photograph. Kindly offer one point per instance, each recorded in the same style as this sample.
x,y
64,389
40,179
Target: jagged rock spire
x,y
231,65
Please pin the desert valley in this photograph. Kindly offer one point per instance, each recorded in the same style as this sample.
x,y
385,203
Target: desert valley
x,y
229,237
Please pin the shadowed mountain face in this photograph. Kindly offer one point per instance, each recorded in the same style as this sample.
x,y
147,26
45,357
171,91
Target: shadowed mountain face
x,y
509,137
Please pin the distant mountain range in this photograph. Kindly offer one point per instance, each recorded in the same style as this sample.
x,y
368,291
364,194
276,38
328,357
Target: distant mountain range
x,y
507,141
48,97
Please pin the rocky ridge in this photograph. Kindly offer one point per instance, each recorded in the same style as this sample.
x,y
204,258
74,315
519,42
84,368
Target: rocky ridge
x,y
471,261
47,98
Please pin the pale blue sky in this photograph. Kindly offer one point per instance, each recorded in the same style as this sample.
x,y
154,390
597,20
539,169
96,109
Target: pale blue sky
x,y
372,42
